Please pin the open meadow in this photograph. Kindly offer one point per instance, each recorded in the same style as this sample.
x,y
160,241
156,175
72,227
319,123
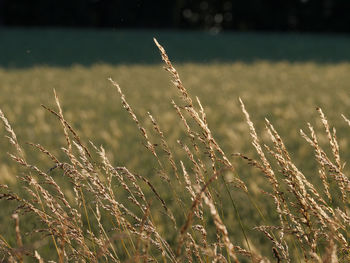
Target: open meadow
x,y
283,78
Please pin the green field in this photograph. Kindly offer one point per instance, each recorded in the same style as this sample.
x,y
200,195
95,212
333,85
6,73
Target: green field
x,y
282,77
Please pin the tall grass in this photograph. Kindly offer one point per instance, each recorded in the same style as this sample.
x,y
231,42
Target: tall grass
x,y
88,210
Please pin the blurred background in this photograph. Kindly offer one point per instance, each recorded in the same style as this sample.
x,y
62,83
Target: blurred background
x,y
218,15
283,58
91,31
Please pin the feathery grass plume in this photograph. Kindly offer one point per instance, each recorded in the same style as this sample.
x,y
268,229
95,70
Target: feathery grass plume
x,y
325,162
319,154
128,108
198,117
331,138
205,137
149,145
74,134
189,133
313,212
166,149
176,78
190,188
198,166
165,146
65,128
12,138
220,227
256,143
335,151
266,167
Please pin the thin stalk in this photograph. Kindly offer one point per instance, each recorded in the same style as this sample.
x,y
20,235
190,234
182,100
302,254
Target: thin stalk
x,y
88,221
104,232
52,235
4,240
122,241
237,213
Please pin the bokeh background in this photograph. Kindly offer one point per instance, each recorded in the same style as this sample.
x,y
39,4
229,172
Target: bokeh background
x,y
76,32
256,15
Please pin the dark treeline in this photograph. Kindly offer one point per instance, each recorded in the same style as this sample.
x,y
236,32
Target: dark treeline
x,y
216,15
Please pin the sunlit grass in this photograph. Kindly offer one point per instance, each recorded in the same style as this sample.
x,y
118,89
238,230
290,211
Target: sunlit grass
x,y
287,93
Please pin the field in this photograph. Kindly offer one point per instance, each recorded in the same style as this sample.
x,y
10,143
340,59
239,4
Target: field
x,y
281,77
